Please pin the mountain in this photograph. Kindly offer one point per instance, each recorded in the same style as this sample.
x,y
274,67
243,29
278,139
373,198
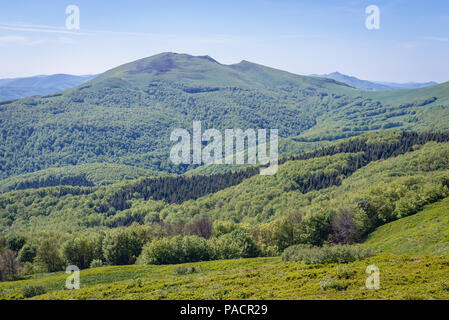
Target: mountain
x,y
17,88
125,115
372,85
407,85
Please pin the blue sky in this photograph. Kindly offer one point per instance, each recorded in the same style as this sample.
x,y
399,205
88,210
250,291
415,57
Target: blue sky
x,y
303,37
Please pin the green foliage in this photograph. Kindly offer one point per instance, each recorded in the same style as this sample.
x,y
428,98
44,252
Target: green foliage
x,y
78,251
426,232
176,250
27,253
121,246
330,283
180,270
138,105
326,254
96,263
96,174
345,272
223,227
237,244
30,290
15,242
248,279
48,255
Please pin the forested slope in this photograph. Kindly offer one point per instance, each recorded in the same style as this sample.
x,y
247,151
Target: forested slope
x,y
125,116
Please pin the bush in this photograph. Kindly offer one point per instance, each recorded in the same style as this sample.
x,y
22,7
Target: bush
x,y
27,253
180,270
31,290
330,283
326,254
120,247
96,263
175,250
345,272
234,245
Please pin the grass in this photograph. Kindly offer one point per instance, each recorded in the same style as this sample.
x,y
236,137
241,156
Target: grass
x,y
426,232
401,277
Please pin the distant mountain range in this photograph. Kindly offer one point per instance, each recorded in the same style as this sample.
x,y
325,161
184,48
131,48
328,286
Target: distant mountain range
x,y
17,88
373,85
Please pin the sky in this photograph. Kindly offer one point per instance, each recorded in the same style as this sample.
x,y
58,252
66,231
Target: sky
x,y
303,37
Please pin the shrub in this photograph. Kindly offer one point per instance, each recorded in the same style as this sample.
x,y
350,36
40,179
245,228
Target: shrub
x,y
120,247
345,272
32,290
330,283
326,254
180,270
27,253
175,250
96,263
234,245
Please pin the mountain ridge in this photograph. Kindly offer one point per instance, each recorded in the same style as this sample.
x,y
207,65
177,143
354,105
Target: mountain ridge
x,y
17,88
373,85
125,115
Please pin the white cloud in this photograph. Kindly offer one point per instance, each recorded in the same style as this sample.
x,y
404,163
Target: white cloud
x,y
12,39
437,39
19,40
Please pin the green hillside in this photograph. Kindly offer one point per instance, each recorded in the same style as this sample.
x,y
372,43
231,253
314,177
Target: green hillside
x,y
402,278
337,177
125,115
426,232
96,174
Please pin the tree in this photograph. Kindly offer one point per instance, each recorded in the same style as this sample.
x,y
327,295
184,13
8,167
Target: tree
x,y
9,266
47,255
237,244
78,251
120,247
201,227
2,243
343,227
27,253
15,242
